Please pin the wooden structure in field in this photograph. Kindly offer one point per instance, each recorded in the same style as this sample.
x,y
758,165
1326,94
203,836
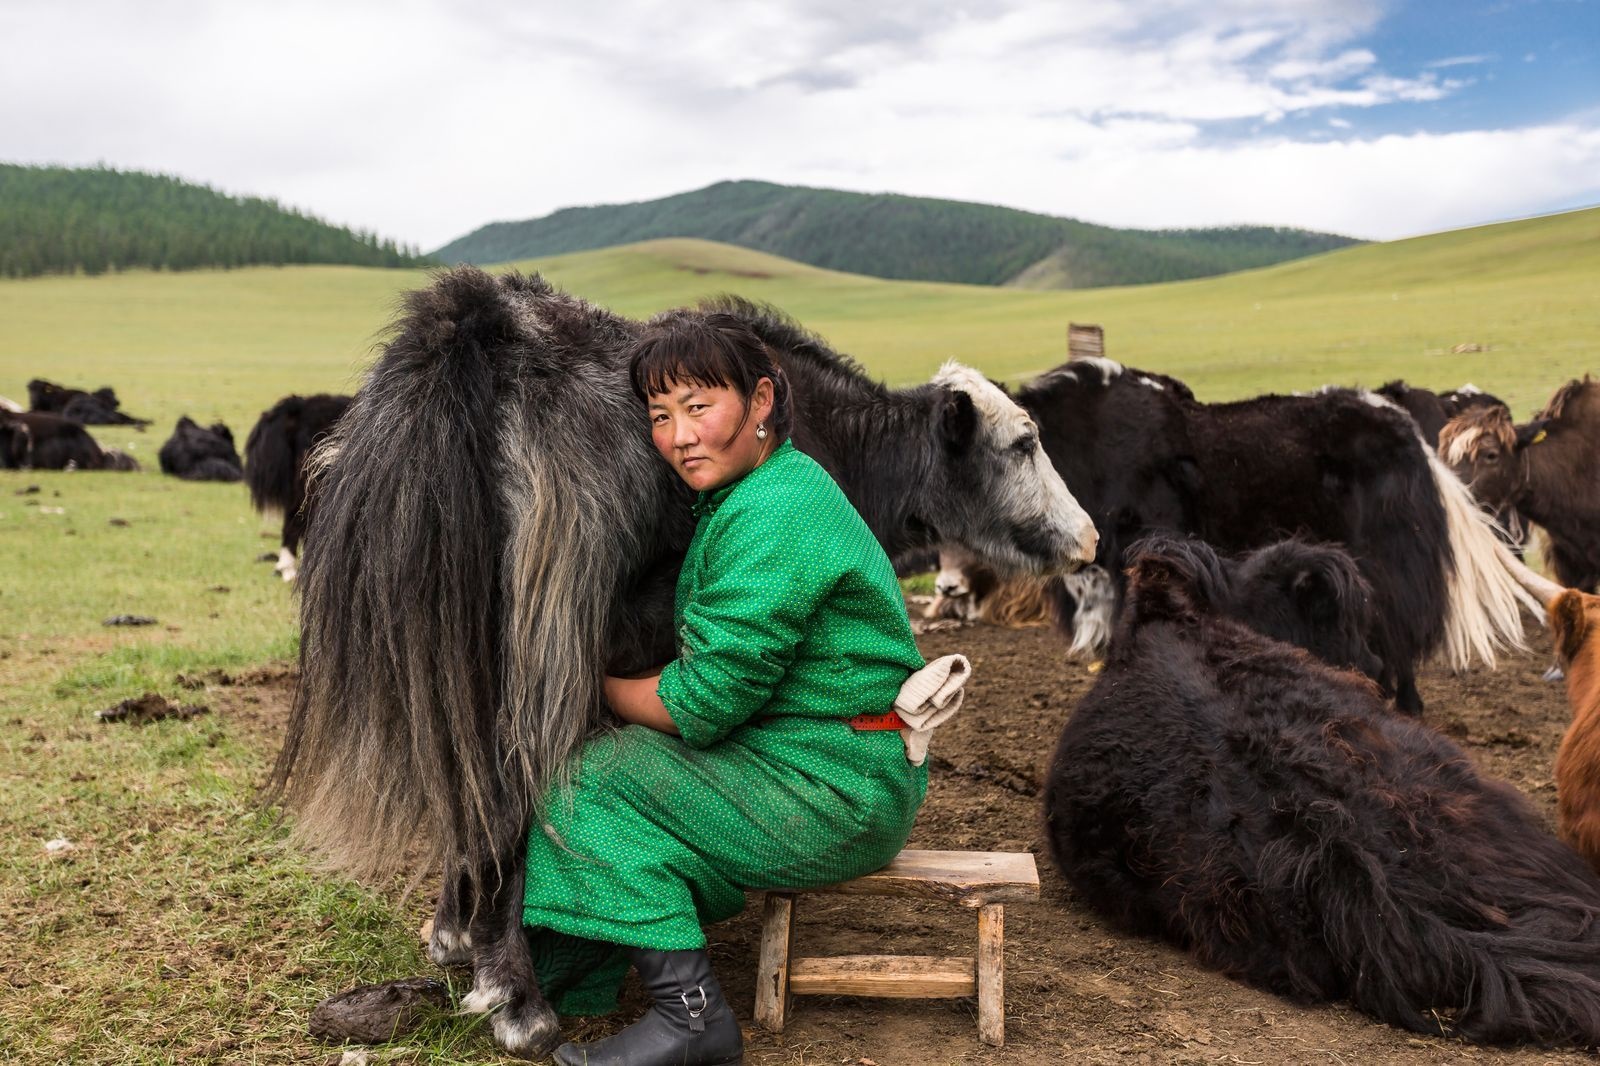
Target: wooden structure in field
x,y
1085,340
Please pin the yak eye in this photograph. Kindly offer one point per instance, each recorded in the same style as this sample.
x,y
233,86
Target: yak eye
x,y
1024,446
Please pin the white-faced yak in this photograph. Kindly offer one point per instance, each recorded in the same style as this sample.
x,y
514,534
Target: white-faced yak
x,y
491,527
1544,468
1269,813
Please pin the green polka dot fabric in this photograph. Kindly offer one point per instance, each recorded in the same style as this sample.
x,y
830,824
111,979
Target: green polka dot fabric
x,y
789,621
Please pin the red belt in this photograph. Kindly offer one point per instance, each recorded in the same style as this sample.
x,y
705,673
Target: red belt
x,y
892,720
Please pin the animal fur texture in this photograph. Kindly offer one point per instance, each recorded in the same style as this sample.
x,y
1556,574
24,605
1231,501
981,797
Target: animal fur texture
x,y
275,455
1575,625
36,440
1266,812
492,531
1544,469
1079,604
201,453
1339,466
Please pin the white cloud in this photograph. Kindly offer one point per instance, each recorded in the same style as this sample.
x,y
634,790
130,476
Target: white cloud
x,y
424,119
1459,61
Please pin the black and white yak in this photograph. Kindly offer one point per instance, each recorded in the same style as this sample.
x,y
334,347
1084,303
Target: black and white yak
x,y
1268,813
37,440
201,453
97,408
274,463
1142,455
491,530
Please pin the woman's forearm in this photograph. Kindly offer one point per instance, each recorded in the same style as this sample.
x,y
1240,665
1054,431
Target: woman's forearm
x,y
635,700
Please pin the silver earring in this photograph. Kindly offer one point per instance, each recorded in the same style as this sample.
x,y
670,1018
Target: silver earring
x,y
761,431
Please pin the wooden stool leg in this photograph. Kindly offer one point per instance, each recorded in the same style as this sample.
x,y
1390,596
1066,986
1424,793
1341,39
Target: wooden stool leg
x,y
772,969
992,974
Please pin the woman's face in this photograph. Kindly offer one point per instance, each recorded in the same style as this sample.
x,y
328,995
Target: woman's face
x,y
697,430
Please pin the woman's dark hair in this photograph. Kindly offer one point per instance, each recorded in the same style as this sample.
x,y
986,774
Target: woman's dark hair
x,y
713,349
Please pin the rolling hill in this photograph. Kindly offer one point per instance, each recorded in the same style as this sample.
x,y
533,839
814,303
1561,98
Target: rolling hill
x,y
61,220
901,237
229,343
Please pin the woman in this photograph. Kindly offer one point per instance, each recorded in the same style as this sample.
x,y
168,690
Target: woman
x,y
740,766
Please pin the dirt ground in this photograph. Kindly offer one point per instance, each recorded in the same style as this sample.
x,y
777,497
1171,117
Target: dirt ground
x,y
1077,991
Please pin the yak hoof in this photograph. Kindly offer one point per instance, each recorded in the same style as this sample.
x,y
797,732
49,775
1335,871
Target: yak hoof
x,y
286,567
529,1031
485,996
448,948
1555,673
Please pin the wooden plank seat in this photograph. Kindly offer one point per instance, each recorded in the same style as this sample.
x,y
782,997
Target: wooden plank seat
x,y
982,880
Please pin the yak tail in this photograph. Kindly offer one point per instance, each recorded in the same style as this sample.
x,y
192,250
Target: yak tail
x,y
392,746
1510,954
269,460
1483,615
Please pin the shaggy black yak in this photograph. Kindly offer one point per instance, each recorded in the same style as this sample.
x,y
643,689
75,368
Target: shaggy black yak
x,y
97,408
1270,814
201,453
37,440
1142,455
490,524
274,463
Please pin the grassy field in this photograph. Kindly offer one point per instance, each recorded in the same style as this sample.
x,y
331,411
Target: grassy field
x,y
181,926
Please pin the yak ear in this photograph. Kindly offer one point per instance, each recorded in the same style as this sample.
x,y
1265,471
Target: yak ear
x,y
1315,592
1162,588
1570,622
1532,433
958,420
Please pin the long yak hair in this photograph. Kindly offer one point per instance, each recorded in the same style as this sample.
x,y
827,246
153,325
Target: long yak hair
x,y
421,717
1269,814
491,528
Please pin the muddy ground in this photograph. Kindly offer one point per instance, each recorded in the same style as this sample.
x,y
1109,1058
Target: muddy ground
x,y
1077,991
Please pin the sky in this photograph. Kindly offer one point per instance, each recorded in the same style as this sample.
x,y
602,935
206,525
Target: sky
x,y
424,119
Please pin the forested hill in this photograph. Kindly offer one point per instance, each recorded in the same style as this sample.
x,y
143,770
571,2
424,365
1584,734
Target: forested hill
x,y
892,236
60,220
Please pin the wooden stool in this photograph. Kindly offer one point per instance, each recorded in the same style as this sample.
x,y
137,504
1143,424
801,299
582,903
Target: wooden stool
x,y
984,880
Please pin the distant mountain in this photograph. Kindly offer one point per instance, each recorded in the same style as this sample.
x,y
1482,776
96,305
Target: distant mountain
x,y
892,236
62,220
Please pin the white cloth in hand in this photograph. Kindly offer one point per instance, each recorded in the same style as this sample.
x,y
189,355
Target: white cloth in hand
x,y
929,698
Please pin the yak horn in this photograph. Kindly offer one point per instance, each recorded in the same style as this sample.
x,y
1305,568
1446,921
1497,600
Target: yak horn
x,y
1541,588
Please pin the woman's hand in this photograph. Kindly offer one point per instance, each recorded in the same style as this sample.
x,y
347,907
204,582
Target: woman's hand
x,y
635,701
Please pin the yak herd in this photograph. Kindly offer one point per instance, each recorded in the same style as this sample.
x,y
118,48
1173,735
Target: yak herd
x,y
51,436
486,531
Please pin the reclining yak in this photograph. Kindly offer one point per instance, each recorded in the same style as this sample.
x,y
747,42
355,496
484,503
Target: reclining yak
x,y
38,440
1142,455
490,525
201,453
1269,814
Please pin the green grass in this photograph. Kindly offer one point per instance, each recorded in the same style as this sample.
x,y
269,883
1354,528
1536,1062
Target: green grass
x,y
184,927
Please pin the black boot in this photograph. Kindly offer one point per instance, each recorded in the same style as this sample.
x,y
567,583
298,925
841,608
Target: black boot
x,y
688,1024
